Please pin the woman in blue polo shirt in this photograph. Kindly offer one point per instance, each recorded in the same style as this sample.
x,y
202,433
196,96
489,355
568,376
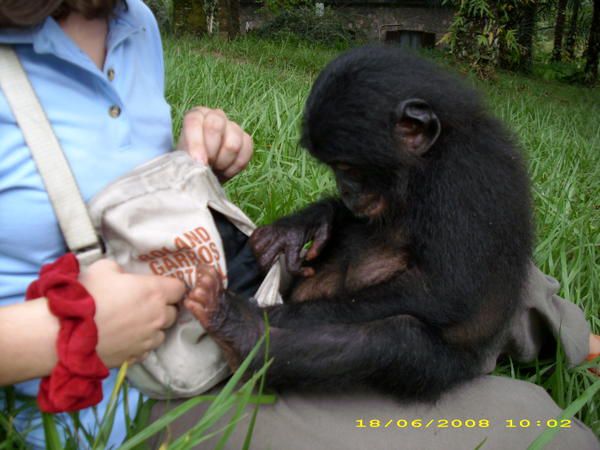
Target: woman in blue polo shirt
x,y
97,68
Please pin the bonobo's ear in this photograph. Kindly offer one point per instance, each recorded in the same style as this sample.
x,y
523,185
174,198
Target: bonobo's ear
x,y
417,127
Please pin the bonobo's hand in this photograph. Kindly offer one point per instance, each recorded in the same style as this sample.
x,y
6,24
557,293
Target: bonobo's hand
x,y
289,236
210,137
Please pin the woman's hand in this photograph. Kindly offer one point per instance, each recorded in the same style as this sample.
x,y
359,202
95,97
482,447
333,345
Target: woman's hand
x,y
132,311
210,137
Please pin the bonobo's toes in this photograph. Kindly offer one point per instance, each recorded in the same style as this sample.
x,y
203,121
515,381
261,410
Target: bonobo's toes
x,y
234,323
206,299
203,299
208,279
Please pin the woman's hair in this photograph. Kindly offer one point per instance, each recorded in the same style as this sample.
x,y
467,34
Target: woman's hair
x,y
19,13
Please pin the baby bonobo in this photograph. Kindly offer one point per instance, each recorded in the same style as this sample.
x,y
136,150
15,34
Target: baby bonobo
x,y
418,264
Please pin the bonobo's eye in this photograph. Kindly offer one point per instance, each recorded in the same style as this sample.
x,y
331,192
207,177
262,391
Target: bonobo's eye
x,y
347,170
341,166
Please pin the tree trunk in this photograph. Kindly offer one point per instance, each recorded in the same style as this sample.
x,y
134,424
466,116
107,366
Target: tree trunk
x,y
234,6
228,16
223,18
559,30
570,44
525,35
523,21
593,48
189,17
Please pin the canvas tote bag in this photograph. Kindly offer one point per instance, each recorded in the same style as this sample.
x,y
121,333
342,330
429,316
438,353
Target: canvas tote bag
x,y
158,219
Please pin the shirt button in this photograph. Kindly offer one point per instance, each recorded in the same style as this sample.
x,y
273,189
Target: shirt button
x,y
110,74
114,111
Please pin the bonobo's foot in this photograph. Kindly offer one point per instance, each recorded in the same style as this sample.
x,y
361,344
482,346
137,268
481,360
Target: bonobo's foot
x,y
594,352
233,322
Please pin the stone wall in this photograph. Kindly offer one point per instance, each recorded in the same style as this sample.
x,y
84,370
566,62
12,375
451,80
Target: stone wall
x,y
372,19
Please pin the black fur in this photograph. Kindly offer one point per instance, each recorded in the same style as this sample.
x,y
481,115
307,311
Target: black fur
x,y
461,210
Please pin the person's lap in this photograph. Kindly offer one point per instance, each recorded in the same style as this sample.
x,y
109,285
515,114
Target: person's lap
x,y
504,413
497,409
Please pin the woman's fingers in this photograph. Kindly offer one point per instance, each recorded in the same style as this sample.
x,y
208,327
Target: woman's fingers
x,y
210,137
170,317
242,159
215,133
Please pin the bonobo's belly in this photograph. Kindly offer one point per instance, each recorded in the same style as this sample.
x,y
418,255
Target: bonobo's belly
x,y
348,266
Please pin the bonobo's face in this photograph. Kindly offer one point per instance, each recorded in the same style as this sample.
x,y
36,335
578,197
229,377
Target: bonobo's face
x,y
370,158
366,119
362,200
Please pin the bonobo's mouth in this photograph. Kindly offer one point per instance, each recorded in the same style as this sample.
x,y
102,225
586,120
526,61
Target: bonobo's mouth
x,y
375,209
367,206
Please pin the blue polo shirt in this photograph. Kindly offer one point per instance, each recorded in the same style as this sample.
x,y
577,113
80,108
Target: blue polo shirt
x,y
107,121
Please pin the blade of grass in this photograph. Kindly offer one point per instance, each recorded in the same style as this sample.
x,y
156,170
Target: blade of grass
x,y
237,376
546,436
237,416
51,435
12,438
89,437
162,422
127,418
141,418
109,416
217,410
188,444
252,423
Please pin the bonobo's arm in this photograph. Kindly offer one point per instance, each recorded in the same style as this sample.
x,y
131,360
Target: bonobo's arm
x,y
463,263
405,294
289,234
448,284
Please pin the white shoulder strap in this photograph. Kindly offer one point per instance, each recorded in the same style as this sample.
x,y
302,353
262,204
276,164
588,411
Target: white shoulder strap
x,y
54,169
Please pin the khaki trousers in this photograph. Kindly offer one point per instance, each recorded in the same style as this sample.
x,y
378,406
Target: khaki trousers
x,y
497,412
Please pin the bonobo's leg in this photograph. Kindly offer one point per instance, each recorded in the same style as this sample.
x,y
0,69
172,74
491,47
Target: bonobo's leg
x,y
399,354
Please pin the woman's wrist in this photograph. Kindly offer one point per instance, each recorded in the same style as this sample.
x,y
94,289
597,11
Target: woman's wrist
x,y
76,380
28,333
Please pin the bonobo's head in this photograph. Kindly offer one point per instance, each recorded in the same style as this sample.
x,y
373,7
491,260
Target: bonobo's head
x,y
376,116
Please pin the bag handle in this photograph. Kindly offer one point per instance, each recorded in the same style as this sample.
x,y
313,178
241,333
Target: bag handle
x,y
50,160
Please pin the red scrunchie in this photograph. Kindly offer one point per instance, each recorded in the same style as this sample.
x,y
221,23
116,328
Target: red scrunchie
x,y
76,380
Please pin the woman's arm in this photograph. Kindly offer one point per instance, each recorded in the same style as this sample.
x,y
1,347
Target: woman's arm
x,y
132,312
28,334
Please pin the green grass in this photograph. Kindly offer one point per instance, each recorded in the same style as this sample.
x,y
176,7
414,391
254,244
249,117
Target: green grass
x,y
262,85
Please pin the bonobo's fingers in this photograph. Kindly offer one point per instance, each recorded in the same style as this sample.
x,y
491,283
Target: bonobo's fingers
x,y
294,260
261,239
270,241
266,244
321,236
